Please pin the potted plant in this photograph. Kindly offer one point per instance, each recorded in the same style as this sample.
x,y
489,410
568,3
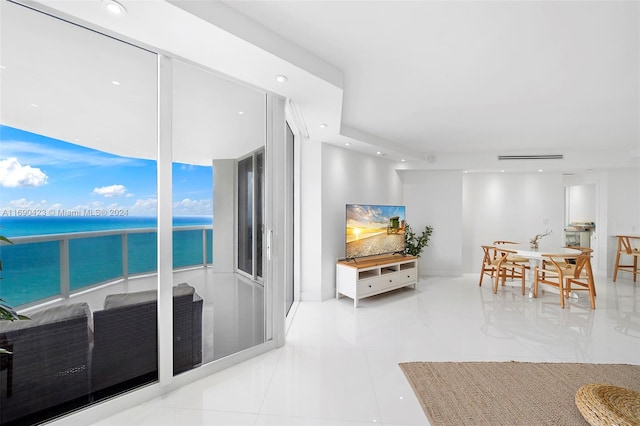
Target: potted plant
x,y
414,244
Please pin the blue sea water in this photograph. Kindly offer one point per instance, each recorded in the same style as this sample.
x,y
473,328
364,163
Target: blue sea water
x,y
16,226
32,272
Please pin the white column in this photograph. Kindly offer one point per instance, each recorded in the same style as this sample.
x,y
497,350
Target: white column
x,y
165,228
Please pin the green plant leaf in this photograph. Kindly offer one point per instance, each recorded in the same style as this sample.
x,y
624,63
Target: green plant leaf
x,y
4,351
7,313
414,244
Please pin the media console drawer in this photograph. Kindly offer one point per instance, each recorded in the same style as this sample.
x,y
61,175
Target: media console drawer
x,y
370,276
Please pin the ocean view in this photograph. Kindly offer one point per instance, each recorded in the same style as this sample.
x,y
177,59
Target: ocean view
x,y
32,271
25,226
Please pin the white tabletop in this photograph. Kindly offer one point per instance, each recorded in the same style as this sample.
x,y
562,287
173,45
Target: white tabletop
x,y
525,250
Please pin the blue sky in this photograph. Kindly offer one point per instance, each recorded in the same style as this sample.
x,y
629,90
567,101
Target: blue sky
x,y
364,215
37,172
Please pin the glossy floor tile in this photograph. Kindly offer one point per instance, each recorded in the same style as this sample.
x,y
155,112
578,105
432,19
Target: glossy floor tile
x,y
340,365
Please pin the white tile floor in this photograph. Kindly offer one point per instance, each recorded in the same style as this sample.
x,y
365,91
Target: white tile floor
x,y
340,365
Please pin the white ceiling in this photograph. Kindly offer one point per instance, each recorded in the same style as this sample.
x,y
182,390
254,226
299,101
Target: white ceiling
x,y
57,81
444,84
504,77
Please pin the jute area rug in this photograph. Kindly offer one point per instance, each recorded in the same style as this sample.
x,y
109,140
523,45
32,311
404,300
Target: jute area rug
x,y
509,393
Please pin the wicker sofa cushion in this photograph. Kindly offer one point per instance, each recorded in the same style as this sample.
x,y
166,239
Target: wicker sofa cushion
x,y
49,366
128,299
48,316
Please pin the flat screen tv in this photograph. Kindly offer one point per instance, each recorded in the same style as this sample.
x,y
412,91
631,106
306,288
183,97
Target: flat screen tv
x,y
374,229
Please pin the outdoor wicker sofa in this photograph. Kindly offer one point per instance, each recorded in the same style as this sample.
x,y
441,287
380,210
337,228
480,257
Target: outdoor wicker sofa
x,y
49,364
64,357
126,338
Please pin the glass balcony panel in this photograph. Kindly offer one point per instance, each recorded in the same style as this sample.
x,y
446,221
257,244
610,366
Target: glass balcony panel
x,y
94,260
141,250
23,282
187,248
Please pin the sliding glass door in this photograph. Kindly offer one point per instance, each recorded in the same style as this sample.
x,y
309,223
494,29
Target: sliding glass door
x,y
143,192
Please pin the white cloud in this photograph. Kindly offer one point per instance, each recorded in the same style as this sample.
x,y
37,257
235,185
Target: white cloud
x,y
147,204
45,155
193,207
14,175
23,203
111,191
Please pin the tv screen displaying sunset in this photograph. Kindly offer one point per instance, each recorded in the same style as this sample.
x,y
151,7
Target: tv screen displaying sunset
x,y
374,229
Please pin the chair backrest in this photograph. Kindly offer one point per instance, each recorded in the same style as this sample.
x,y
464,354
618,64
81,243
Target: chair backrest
x,y
490,253
561,262
628,244
493,253
504,242
583,264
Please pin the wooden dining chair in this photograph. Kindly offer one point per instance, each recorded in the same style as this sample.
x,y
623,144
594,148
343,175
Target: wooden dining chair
x,y
513,258
581,275
588,251
511,268
627,246
566,272
490,262
553,273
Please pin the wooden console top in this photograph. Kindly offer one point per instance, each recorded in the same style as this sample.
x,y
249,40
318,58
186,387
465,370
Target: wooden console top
x,y
372,261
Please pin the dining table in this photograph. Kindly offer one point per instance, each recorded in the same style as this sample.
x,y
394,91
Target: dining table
x,y
535,256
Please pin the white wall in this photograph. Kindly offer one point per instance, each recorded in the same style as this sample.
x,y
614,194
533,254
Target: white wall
x,y
510,206
310,226
581,203
623,206
349,177
224,214
435,198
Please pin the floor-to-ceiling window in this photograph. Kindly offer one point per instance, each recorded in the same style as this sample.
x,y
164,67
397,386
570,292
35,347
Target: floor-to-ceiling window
x,y
65,85
78,148
219,125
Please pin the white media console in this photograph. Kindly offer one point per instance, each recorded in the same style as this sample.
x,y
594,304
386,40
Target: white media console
x,y
369,276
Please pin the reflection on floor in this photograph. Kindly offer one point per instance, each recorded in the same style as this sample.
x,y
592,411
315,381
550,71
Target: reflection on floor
x,y
340,365
233,312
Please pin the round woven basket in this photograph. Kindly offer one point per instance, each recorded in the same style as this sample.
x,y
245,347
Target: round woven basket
x,y
604,405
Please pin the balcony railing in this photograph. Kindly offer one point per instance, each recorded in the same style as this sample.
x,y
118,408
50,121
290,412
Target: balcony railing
x,y
40,268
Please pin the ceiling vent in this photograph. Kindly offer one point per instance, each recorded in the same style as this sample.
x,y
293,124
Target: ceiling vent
x,y
531,157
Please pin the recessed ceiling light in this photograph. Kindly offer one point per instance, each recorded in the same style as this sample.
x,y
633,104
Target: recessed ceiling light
x,y
323,126
114,7
115,83
347,144
241,112
281,79
379,153
501,171
539,170
403,160
3,67
35,105
466,171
